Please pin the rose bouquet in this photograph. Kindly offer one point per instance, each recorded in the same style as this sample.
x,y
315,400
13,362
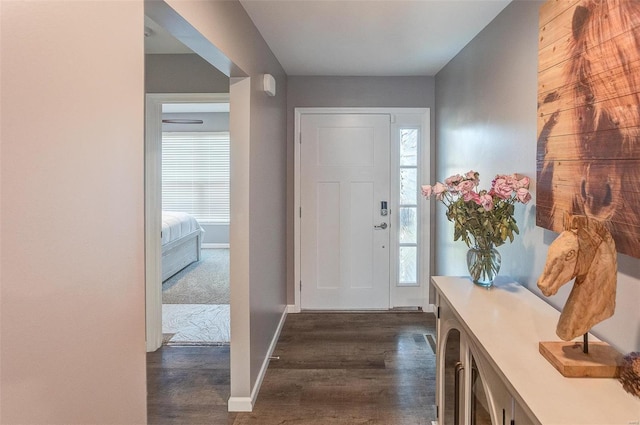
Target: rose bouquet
x,y
483,219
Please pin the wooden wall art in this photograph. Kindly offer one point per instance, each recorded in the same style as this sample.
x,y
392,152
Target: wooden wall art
x,y
588,157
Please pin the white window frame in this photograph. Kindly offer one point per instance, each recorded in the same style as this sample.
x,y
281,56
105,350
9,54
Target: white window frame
x,y
414,295
396,169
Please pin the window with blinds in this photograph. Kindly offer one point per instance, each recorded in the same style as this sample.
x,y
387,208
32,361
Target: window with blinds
x,y
195,174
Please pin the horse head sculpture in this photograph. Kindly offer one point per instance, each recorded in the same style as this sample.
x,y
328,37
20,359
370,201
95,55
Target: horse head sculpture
x,y
585,251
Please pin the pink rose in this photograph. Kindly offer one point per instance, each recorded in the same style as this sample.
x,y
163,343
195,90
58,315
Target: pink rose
x,y
471,196
453,180
465,186
523,183
427,189
486,201
501,188
523,195
473,175
439,189
509,180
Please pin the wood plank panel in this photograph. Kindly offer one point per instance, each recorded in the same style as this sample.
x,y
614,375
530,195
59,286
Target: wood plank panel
x,y
588,153
558,27
628,109
562,92
553,8
550,217
559,52
567,169
564,147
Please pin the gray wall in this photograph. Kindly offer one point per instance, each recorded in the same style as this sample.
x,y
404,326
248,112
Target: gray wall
x,y
227,26
486,121
371,92
183,73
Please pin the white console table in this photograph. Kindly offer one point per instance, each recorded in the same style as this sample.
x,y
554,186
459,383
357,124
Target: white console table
x,y
502,378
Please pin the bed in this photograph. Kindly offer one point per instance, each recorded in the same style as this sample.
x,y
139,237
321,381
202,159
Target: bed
x,y
181,239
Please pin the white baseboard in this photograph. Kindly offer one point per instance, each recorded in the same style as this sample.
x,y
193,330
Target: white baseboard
x,y
245,404
211,245
292,308
429,308
239,404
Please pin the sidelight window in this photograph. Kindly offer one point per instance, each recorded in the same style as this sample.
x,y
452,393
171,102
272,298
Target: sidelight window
x,y
408,213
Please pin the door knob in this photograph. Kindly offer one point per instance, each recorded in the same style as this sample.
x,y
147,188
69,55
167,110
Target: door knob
x,y
381,226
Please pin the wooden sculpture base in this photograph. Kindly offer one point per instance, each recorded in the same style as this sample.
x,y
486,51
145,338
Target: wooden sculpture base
x,y
602,361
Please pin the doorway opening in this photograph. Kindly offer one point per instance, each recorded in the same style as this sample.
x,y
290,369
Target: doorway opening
x,y
179,316
195,185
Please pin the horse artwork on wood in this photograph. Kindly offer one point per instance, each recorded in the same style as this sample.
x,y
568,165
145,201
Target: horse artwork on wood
x,y
586,252
588,159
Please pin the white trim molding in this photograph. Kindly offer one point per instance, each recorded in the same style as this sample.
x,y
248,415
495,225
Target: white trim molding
x,y
153,203
245,404
215,245
239,404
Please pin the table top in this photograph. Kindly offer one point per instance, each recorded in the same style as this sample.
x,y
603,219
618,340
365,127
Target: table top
x,y
507,322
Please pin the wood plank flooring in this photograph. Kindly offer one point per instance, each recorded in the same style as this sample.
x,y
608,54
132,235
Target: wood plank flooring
x,y
333,368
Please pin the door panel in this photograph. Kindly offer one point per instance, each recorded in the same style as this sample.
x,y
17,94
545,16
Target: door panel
x,y
344,178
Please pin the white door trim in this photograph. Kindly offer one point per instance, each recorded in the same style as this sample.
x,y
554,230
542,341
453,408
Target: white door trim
x,y
153,205
425,176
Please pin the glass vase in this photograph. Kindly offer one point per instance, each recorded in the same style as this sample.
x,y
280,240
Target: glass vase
x,y
483,263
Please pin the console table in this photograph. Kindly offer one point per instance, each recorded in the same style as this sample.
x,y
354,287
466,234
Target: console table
x,y
489,369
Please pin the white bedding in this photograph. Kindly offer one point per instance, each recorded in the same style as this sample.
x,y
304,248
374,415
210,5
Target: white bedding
x,y
176,225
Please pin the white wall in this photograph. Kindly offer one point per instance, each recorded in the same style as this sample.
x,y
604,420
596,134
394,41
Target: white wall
x,y
486,121
72,247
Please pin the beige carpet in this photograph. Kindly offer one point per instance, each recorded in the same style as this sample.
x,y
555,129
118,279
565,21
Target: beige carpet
x,y
203,282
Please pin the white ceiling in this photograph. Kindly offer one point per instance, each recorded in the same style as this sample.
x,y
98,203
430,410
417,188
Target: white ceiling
x,y
358,37
369,37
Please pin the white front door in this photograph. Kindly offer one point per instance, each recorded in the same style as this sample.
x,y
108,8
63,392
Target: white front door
x,y
344,236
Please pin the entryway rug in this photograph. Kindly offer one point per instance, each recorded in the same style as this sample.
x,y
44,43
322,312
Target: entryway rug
x,y
195,324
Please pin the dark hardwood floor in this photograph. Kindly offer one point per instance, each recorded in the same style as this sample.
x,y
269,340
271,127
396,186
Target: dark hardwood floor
x,y
333,368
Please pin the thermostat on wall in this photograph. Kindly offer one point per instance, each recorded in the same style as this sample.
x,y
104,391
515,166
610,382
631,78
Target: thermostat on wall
x,y
269,85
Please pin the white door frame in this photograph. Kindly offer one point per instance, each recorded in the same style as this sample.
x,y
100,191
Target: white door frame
x,y
153,204
425,243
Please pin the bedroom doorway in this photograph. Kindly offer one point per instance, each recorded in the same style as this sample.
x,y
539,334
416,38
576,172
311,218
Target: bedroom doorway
x,y
188,177
195,188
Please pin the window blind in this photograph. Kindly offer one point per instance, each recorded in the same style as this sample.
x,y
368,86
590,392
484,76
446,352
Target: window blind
x,y
195,174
